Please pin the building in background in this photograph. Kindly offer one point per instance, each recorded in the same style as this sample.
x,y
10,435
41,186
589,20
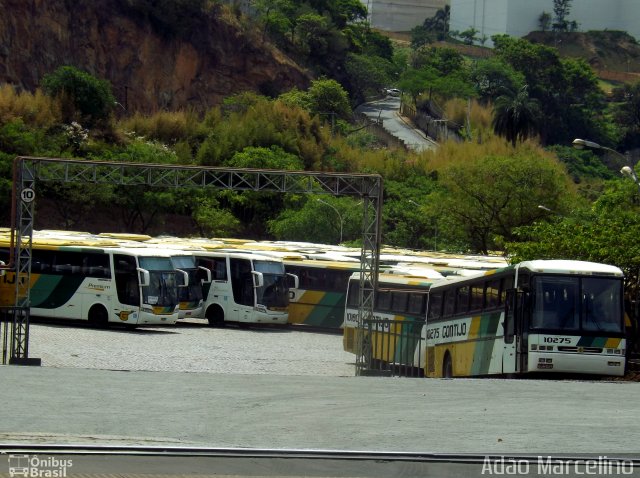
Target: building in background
x,y
401,15
519,17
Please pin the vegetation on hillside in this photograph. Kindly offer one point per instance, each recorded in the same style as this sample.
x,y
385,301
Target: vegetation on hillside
x,y
480,195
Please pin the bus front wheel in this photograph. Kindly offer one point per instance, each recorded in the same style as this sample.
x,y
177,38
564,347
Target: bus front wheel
x,y
215,316
447,367
98,316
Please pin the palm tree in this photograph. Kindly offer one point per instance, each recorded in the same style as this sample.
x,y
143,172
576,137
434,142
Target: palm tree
x,y
439,23
516,115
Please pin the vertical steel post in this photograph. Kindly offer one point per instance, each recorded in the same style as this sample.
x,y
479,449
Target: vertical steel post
x,y
369,259
24,196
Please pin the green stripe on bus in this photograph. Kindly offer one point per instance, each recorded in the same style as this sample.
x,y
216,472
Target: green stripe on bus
x,y
328,312
592,341
50,292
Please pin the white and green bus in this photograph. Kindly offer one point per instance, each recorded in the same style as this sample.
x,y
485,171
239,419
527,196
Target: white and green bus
x,y
244,288
542,316
190,295
89,280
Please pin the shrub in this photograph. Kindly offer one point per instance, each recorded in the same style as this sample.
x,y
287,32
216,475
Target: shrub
x,y
85,99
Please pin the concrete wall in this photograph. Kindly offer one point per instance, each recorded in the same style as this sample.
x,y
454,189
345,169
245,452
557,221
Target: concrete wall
x,y
401,15
519,17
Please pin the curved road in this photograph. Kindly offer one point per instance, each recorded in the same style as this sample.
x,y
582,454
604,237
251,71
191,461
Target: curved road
x,y
387,111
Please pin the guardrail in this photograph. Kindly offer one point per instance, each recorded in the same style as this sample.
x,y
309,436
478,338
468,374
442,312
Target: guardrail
x,y
393,348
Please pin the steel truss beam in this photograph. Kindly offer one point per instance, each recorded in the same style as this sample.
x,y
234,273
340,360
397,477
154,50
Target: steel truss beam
x,y
367,187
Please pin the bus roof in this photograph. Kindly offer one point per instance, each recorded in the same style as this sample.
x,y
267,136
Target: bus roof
x,y
546,266
322,264
562,266
236,254
398,279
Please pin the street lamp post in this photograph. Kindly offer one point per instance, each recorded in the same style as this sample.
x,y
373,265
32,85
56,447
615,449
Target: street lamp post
x,y
626,170
586,144
337,212
630,173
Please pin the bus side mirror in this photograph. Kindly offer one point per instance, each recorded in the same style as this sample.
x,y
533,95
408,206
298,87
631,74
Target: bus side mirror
x,y
2,271
208,274
144,277
293,282
185,278
258,279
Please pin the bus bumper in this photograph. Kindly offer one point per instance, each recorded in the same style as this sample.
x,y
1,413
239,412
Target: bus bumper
x,y
595,364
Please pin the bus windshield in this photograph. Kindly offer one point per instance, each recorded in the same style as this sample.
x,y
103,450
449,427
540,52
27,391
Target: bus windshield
x,y
274,292
163,288
576,304
194,291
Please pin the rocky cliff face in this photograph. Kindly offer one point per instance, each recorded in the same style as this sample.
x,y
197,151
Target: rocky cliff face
x,y
148,70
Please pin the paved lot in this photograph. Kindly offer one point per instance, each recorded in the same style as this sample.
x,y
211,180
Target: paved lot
x,y
191,346
289,389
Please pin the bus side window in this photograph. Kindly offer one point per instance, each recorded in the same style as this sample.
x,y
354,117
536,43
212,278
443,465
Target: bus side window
x,y
383,300
435,305
354,287
449,301
492,293
416,304
462,302
399,302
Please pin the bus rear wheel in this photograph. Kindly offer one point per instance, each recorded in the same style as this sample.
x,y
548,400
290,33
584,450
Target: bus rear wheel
x,y
447,367
215,316
98,316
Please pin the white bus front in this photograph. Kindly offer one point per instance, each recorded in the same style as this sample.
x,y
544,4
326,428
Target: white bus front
x,y
150,286
575,325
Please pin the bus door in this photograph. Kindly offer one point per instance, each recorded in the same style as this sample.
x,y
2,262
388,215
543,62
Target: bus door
x,y
510,326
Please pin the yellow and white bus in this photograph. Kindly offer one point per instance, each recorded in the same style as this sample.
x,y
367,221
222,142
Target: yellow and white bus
x,y
244,288
319,299
81,279
534,317
394,335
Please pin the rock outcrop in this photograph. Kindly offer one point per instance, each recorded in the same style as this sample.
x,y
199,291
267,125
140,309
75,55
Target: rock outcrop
x,y
148,68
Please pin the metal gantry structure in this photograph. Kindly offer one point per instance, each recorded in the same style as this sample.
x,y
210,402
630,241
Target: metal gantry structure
x,y
28,171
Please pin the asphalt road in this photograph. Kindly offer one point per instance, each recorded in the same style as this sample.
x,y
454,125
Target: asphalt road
x,y
197,386
387,110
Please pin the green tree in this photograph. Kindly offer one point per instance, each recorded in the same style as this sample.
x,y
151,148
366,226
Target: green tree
x,y
367,74
445,60
468,36
561,9
544,21
627,115
265,158
327,96
483,200
515,115
566,89
278,17
85,99
214,221
492,76
319,219
439,23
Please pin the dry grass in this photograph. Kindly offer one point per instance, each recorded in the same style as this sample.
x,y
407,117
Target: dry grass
x,y
454,153
35,109
165,126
